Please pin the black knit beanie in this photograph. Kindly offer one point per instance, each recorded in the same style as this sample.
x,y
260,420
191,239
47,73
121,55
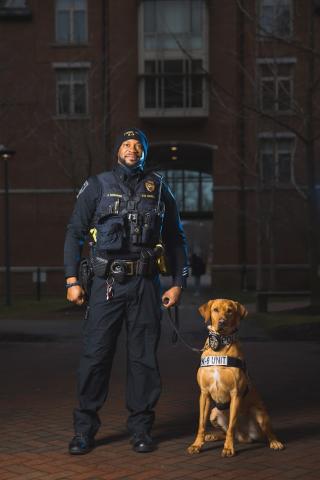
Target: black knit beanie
x,y
132,134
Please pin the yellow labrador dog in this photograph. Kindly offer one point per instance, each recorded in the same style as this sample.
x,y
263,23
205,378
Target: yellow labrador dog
x,y
223,380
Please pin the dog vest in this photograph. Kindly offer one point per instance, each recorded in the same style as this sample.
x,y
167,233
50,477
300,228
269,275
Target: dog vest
x,y
224,361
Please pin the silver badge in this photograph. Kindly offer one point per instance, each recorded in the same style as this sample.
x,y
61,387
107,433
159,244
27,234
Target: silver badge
x,y
214,341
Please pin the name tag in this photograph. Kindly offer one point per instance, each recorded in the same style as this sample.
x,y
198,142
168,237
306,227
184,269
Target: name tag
x,y
214,360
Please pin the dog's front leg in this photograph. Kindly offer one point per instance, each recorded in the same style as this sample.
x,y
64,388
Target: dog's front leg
x,y
228,448
204,405
263,421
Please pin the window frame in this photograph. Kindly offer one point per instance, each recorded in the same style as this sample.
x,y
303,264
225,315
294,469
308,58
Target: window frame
x,y
83,67
264,35
71,12
276,79
172,54
7,4
201,179
274,139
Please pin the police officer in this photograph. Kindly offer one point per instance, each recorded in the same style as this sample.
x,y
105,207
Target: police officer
x,y
128,212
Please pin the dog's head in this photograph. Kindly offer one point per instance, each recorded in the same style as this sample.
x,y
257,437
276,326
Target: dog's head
x,y
223,315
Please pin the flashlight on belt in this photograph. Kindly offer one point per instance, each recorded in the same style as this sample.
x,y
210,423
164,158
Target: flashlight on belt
x,y
161,259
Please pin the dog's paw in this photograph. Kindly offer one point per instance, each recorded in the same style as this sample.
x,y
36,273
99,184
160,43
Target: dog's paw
x,y
228,452
276,445
194,449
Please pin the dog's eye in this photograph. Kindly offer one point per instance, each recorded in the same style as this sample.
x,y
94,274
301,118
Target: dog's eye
x,y
229,310
216,309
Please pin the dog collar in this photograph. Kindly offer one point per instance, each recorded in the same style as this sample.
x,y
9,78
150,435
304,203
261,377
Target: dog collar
x,y
216,341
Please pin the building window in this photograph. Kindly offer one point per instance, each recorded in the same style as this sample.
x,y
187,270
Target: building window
x,y
275,18
71,21
276,159
72,92
173,84
193,190
276,87
15,8
173,58
170,23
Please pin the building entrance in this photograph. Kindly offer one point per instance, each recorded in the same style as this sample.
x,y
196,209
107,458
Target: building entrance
x,y
187,169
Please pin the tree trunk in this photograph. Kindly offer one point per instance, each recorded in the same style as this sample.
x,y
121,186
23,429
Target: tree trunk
x,y
314,237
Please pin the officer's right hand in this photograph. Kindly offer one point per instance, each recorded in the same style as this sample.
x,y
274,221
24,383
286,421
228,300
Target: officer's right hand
x,y
76,295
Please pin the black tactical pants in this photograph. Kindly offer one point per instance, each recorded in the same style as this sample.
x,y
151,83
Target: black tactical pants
x,y
137,301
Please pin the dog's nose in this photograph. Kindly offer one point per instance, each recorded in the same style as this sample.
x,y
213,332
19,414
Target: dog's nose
x,y
221,322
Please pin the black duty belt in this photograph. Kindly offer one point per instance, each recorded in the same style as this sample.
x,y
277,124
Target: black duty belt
x,y
224,361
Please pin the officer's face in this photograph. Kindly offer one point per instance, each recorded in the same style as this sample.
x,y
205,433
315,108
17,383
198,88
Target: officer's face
x,y
130,152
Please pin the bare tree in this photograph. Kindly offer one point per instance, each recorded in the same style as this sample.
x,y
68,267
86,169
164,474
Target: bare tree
x,y
301,119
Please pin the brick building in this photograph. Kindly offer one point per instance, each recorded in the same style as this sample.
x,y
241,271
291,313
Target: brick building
x,y
220,88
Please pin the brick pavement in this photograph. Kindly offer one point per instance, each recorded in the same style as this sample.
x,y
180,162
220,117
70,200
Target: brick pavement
x,y
38,394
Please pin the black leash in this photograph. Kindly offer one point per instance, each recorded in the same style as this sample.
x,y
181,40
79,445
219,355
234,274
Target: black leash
x,y
176,323
176,334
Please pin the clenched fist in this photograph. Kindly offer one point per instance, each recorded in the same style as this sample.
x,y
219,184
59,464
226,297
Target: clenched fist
x,y
75,294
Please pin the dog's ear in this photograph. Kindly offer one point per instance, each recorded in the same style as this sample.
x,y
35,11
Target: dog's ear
x,y
205,310
243,312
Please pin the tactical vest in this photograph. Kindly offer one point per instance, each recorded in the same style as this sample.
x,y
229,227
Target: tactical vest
x,y
126,220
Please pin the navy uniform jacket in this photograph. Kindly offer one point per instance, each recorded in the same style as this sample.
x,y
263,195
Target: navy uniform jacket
x,y
81,220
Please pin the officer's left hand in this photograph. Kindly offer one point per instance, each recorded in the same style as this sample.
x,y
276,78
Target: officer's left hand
x,y
173,295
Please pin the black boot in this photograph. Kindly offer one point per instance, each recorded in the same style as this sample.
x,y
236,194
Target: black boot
x,y
142,443
81,444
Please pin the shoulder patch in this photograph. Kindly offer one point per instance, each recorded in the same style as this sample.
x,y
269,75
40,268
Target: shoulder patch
x,y
82,189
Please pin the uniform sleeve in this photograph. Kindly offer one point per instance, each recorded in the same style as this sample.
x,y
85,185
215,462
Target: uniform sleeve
x,y
174,239
79,224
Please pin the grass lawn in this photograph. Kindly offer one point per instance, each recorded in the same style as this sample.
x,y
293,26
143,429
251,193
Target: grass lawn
x,y
28,307
286,325
295,324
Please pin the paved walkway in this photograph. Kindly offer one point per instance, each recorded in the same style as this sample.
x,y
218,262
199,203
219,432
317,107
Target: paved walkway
x,y
38,393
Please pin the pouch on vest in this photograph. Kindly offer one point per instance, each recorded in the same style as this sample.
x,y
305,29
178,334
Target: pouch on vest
x,y
85,275
146,263
110,233
151,228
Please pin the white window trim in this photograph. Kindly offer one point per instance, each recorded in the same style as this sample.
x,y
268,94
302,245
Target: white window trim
x,y
280,135
201,54
8,4
276,61
72,66
72,41
265,36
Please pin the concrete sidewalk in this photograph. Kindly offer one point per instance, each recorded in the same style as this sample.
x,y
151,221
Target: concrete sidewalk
x,y
38,395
